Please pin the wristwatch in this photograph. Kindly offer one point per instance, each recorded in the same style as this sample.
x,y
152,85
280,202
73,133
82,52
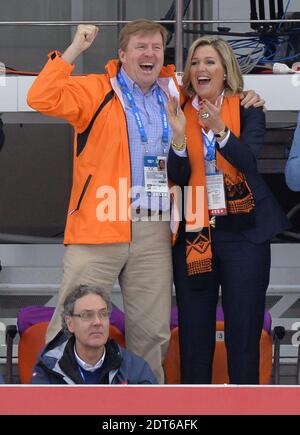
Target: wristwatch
x,y
221,134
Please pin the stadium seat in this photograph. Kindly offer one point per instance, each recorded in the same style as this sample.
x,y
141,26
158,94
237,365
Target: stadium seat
x,y
220,372
32,342
32,338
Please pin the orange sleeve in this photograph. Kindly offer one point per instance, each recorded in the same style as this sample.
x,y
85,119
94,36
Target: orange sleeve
x,y
74,98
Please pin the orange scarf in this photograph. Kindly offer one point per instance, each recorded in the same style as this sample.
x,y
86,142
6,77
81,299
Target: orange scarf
x,y
239,199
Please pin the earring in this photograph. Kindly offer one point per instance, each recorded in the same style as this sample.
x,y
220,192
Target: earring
x,y
225,76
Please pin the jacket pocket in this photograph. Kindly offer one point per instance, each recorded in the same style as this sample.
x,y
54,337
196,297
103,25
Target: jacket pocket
x,y
84,189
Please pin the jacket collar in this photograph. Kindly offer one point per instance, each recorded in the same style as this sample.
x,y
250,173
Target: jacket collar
x,y
166,79
59,357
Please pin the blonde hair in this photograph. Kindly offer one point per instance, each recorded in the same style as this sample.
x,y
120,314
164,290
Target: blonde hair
x,y
141,26
234,82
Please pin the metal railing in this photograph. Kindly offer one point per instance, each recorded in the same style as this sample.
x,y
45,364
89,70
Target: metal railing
x,y
179,24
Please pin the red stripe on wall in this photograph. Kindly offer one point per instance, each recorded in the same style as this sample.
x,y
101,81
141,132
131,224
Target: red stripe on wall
x,y
150,400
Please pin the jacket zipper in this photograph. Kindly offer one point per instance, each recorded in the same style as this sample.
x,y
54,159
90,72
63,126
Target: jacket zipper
x,y
130,174
118,91
86,184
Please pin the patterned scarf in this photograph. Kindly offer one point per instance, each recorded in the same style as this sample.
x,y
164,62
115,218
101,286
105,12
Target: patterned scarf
x,y
239,199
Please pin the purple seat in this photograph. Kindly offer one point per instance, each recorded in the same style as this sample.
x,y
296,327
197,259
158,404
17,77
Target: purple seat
x,y
117,319
220,316
33,314
267,319
174,317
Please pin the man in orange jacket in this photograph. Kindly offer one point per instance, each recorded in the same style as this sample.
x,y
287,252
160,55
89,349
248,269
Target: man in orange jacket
x,y
116,225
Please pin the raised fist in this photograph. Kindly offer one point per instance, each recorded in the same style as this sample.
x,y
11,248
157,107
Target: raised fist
x,y
84,37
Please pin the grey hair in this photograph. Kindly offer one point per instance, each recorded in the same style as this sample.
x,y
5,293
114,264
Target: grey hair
x,y
77,293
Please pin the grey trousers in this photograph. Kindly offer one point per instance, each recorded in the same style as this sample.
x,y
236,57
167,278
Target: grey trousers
x,y
144,269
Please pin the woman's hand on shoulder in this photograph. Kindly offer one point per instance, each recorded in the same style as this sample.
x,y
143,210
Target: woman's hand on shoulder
x,y
251,98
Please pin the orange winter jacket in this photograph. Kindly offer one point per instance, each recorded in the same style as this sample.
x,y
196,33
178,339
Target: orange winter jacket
x,y
100,200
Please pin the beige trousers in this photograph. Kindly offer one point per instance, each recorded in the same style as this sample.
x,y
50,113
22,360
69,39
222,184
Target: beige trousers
x,y
144,269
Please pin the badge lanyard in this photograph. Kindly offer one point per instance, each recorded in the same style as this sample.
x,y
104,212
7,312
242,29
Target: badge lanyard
x,y
214,180
209,146
138,118
81,373
210,156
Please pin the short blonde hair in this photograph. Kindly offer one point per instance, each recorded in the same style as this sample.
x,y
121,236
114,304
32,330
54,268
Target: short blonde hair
x,y
141,26
234,82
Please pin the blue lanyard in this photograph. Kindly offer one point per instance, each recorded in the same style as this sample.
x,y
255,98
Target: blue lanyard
x,y
210,147
164,118
138,118
81,373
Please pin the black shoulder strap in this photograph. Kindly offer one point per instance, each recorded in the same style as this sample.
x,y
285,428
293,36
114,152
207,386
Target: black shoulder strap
x,y
183,105
83,137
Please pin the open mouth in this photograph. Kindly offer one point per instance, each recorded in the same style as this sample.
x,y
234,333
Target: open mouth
x,y
203,80
147,66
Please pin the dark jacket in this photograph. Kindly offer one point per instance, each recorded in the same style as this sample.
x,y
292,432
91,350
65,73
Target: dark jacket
x,y
2,137
57,365
268,219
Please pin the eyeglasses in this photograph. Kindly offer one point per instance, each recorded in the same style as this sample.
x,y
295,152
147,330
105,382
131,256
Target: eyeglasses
x,y
90,315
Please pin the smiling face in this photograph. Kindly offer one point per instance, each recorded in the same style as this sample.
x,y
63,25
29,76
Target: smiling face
x,y
143,58
89,335
207,73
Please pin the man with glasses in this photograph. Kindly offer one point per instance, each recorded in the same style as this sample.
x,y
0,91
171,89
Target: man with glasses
x,y
83,353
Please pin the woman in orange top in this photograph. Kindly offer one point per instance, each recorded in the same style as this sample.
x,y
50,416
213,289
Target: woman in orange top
x,y
238,216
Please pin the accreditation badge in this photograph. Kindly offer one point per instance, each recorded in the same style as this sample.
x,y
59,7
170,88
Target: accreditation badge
x,y
155,172
216,194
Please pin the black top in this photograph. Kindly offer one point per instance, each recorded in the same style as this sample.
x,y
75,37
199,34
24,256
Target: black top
x,y
2,137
